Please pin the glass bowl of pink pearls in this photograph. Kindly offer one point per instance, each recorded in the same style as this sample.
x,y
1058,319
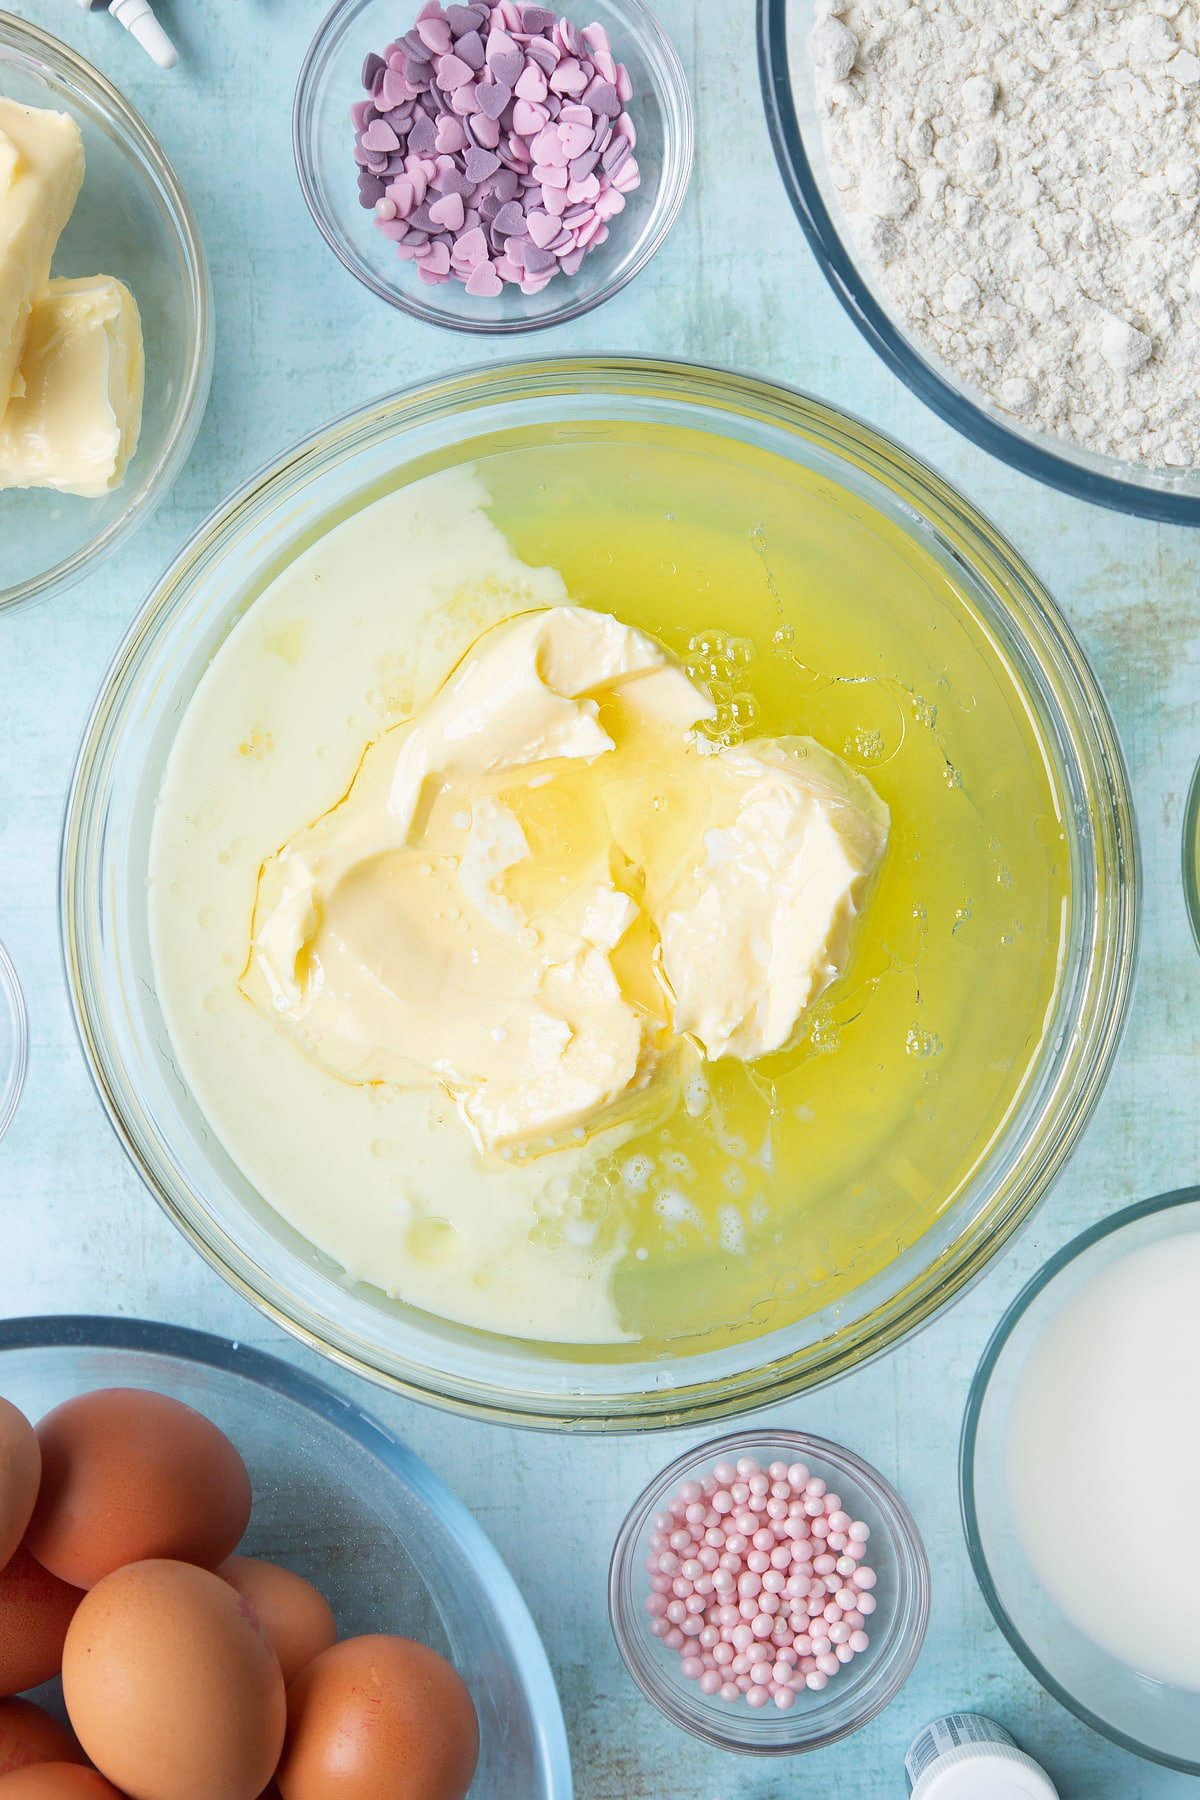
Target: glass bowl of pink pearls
x,y
493,166
769,1592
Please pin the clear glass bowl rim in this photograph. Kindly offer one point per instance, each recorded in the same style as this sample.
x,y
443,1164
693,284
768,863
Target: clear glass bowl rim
x,y
677,102
12,1000
1050,1270
83,1331
61,60
1107,982
803,1445
841,272
1191,854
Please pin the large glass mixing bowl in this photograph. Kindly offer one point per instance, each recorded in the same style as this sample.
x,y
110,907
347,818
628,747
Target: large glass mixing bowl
x,y
808,457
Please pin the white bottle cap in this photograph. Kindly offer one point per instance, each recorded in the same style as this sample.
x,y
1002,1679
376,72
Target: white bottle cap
x,y
137,16
999,1772
965,1756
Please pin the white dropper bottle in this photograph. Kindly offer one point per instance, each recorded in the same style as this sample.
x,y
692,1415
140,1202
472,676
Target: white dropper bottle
x,y
966,1756
137,16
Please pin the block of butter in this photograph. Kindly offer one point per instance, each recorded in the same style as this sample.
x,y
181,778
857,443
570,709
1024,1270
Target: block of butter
x,y
75,425
41,173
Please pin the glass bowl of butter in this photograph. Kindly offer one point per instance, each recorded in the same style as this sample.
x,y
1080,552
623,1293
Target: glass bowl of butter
x,y
599,891
105,317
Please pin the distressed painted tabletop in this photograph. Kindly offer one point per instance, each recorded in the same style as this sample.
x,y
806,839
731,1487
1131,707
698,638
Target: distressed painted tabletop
x,y
299,341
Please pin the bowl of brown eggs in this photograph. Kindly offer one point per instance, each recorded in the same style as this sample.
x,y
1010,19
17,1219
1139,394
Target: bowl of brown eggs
x,y
219,1577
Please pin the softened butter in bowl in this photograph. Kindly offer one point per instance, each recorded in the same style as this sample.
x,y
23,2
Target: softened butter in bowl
x,y
767,1219
114,442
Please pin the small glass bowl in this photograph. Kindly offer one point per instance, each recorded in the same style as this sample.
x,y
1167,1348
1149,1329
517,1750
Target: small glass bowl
x,y
331,80
344,1503
1191,855
133,221
1148,1717
863,1688
14,1041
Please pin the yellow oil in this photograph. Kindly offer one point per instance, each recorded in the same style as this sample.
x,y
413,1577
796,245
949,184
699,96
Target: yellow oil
x,y
773,1190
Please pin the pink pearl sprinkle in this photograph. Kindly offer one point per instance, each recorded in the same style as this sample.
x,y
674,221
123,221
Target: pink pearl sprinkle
x,y
756,1580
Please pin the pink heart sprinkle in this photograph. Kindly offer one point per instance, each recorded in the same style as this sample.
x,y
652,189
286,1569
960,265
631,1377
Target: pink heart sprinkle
x,y
487,131
542,227
532,84
471,248
438,259
434,33
449,211
575,139
402,193
569,77
528,119
483,282
453,72
451,135
380,138
395,90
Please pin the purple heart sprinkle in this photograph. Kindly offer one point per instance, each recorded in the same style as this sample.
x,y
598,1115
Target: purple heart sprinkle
x,y
537,261
370,189
373,66
417,48
602,97
510,220
537,19
481,163
544,54
492,97
507,66
422,139
506,184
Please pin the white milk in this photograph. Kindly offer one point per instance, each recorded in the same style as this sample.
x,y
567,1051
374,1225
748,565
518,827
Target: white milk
x,y
1104,1459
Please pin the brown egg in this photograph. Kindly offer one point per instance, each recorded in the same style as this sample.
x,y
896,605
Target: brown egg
x,y
20,1472
35,1610
379,1715
57,1781
296,1619
172,1685
29,1735
129,1476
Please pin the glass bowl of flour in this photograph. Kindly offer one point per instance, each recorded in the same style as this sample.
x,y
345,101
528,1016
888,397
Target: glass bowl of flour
x,y
1005,202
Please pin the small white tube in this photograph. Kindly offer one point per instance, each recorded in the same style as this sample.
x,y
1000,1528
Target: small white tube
x,y
137,16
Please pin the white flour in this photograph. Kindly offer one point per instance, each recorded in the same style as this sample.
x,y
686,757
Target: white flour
x,y
1023,177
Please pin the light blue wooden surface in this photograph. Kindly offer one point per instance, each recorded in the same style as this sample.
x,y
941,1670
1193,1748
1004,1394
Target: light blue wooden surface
x,y
299,341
